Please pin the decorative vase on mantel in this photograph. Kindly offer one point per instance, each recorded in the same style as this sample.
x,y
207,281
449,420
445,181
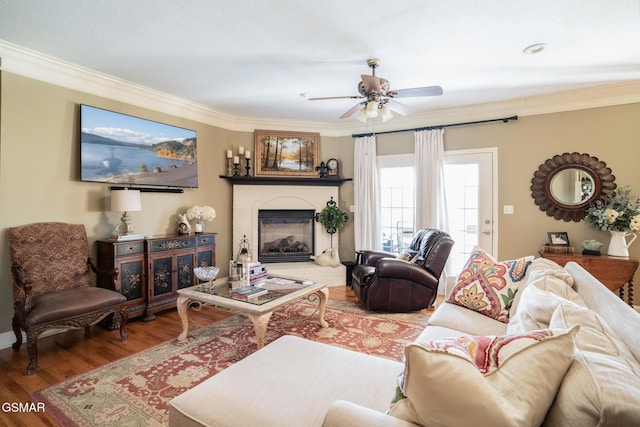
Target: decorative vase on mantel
x,y
619,245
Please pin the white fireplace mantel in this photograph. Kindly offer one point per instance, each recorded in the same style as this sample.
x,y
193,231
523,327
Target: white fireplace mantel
x,y
249,199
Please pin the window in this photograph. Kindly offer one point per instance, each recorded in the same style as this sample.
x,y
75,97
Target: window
x,y
396,179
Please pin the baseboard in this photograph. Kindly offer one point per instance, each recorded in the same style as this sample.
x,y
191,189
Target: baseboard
x,y
8,338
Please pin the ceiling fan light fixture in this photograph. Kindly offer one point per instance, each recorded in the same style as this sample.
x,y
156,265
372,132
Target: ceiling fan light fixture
x,y
385,112
372,109
362,115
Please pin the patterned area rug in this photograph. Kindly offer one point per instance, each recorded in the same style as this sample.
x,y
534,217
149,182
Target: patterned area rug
x,y
136,390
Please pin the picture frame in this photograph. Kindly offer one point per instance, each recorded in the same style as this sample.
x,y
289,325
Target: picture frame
x,y
286,153
558,238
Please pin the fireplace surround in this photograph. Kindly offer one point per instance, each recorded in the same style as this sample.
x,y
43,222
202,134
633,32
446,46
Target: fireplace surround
x,y
249,199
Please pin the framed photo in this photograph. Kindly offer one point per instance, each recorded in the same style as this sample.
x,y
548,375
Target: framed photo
x,y
283,153
558,238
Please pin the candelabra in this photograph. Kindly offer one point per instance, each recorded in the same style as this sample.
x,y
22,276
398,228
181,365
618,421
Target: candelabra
x,y
229,166
248,168
236,169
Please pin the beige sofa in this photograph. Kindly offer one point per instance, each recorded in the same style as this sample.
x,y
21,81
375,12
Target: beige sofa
x,y
581,377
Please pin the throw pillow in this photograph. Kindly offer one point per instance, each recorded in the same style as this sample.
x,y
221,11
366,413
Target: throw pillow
x,y
602,386
408,255
488,286
538,302
483,381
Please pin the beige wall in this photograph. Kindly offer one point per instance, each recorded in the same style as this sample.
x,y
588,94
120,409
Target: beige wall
x,y
39,169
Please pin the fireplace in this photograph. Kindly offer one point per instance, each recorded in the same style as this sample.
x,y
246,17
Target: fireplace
x,y
285,235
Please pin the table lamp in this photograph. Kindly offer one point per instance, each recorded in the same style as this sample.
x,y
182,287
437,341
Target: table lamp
x,y
125,201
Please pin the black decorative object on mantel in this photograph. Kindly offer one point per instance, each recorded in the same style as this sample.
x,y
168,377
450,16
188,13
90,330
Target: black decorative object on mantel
x,y
248,168
323,169
332,218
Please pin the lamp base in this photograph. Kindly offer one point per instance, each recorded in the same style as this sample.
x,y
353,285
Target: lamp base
x,y
125,226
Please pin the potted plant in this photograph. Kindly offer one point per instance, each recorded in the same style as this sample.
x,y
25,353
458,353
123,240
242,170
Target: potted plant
x,y
332,218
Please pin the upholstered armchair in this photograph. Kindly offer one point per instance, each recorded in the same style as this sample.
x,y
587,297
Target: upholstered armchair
x,y
383,282
52,284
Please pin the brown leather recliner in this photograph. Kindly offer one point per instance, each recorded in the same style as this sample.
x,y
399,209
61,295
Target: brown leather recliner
x,y
385,283
52,285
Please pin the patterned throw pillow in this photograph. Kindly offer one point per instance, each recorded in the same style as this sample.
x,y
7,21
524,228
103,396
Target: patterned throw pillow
x,y
485,380
488,286
408,255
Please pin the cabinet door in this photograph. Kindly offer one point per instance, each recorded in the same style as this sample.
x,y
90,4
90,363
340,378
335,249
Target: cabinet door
x,y
206,257
132,278
161,275
185,270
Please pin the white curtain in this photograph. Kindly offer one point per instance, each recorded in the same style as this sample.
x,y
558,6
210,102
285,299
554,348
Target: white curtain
x,y
430,201
365,192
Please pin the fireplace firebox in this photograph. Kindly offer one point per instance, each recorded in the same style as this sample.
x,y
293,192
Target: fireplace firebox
x,y
285,235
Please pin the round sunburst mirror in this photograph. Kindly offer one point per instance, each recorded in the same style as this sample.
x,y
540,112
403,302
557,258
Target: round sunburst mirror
x,y
566,185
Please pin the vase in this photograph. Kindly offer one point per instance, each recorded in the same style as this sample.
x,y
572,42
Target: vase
x,y
199,226
619,244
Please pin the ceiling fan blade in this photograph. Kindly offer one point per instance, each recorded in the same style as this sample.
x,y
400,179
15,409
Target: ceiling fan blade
x,y
351,111
416,91
336,97
399,108
371,83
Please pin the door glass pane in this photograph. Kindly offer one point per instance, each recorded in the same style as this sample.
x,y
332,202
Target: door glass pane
x,y
461,183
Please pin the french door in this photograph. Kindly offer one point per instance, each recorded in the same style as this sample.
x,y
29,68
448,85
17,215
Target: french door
x,y
470,183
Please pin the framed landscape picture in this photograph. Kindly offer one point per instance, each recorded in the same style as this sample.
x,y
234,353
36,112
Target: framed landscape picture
x,y
283,153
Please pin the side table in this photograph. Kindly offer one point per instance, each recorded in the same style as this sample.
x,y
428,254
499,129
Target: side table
x,y
613,272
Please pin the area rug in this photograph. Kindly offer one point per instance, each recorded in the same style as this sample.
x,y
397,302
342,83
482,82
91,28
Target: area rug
x,y
136,390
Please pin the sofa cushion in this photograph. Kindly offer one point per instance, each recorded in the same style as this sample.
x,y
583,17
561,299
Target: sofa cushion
x,y
470,322
620,317
483,381
539,300
542,267
602,386
488,286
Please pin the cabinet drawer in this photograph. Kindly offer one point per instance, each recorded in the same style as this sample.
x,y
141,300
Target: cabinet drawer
x,y
206,240
130,248
171,244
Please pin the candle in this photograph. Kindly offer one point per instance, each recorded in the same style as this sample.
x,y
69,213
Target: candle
x,y
236,160
247,154
241,150
229,154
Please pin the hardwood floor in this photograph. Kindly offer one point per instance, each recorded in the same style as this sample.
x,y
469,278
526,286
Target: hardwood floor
x,y
65,355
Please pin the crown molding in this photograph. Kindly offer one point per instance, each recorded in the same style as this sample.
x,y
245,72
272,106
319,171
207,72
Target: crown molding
x,y
28,63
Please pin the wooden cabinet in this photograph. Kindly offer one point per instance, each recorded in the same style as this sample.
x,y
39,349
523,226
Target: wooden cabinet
x,y
152,270
613,272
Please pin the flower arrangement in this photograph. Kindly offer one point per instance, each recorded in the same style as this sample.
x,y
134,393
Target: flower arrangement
x,y
618,214
201,213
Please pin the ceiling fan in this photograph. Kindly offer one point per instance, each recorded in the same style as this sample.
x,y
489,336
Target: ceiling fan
x,y
378,97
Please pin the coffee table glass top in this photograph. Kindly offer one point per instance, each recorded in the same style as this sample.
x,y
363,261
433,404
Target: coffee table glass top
x,y
273,287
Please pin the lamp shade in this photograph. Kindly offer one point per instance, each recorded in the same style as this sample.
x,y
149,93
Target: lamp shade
x,y
125,200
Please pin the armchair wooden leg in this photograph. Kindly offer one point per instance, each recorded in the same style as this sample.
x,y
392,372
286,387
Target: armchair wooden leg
x,y
124,314
16,330
32,350
87,331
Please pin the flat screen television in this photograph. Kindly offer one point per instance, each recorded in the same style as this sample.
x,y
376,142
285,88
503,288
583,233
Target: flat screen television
x,y
126,151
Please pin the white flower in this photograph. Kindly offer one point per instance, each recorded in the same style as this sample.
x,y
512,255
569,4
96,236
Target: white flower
x,y
201,213
635,223
612,215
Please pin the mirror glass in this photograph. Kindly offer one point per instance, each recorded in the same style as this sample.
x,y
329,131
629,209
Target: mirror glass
x,y
566,185
572,186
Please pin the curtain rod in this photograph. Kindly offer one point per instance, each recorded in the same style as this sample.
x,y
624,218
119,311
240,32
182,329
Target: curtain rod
x,y
504,119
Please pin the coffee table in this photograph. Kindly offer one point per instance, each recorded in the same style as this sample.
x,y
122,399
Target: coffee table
x,y
280,292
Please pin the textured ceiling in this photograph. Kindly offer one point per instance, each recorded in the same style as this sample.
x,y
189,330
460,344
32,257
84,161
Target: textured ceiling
x,y
252,58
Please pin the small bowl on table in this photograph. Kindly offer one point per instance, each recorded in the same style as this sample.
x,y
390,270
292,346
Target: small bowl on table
x,y
207,273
